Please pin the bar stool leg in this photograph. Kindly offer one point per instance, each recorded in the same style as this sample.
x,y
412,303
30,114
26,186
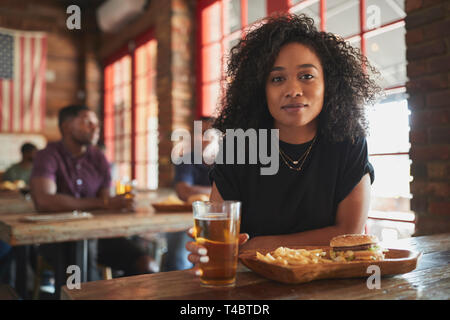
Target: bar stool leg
x,y
60,272
21,254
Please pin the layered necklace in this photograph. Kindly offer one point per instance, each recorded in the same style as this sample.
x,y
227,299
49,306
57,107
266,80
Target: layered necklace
x,y
294,164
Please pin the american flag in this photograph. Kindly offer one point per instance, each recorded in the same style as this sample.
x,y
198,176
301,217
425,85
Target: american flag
x,y
23,58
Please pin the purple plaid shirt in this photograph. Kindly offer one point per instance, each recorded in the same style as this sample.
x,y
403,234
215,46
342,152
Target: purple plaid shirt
x,y
81,177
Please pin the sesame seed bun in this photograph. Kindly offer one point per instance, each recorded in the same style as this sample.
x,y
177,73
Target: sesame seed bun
x,y
351,240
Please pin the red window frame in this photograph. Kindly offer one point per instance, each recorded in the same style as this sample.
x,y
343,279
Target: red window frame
x,y
108,106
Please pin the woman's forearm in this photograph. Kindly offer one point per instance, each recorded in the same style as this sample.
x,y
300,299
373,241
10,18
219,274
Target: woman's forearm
x,y
320,237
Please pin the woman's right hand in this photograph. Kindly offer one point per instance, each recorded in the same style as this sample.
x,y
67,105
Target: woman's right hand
x,y
199,254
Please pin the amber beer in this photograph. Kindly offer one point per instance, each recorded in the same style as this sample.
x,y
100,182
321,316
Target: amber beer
x,y
125,188
120,187
219,234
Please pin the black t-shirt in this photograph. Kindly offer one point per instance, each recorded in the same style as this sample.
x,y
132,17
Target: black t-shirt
x,y
292,201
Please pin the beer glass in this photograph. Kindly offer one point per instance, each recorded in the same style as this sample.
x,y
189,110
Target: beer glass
x,y
216,227
126,187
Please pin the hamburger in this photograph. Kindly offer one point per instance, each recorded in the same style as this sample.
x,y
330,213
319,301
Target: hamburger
x,y
356,247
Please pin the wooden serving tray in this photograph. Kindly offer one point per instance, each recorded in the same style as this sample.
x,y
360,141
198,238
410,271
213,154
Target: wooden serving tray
x,y
396,262
159,207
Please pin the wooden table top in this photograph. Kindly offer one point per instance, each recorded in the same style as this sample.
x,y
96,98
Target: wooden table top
x,y
15,207
103,225
15,203
430,280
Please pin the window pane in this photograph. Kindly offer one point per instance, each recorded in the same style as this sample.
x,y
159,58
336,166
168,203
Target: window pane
x,y
211,28
152,181
342,17
311,9
141,60
210,97
124,171
211,66
387,52
392,176
141,120
141,149
118,128
389,127
355,42
126,69
256,10
234,17
141,175
382,12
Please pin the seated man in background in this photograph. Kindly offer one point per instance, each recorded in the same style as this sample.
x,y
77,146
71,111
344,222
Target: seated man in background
x,y
190,180
73,174
22,169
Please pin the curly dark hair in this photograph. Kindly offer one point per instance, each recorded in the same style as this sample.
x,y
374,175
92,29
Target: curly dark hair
x,y
348,87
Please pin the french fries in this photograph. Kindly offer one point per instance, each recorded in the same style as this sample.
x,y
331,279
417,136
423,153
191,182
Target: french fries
x,y
293,257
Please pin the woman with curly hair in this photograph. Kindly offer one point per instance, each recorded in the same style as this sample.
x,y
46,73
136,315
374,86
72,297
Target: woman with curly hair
x,y
313,87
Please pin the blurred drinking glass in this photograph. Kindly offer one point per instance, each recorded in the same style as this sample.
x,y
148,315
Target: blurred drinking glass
x,y
126,187
216,227
120,187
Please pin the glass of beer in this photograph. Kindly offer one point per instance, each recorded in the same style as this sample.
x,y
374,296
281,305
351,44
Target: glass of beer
x,y
126,187
216,227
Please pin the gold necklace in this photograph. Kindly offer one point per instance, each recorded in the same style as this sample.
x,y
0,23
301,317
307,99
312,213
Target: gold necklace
x,y
304,156
293,161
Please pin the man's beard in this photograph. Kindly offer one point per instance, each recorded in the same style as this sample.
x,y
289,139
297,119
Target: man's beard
x,y
83,142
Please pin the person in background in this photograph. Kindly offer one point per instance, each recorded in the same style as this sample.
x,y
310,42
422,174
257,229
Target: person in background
x,y
190,180
17,171
73,174
22,170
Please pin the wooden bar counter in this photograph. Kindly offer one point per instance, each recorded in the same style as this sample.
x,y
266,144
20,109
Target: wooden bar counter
x,y
430,280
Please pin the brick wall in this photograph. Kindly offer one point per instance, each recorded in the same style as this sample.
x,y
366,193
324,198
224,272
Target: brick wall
x,y
172,22
428,56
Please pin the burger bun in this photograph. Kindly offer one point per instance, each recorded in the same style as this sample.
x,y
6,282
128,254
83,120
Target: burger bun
x,y
352,240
